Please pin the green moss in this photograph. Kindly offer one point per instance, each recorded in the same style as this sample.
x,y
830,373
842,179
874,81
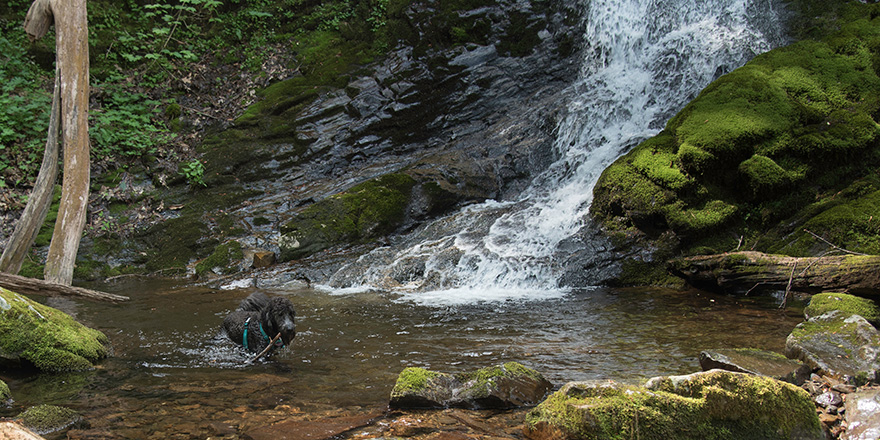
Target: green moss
x,y
847,304
223,258
173,243
44,419
366,211
413,379
764,148
5,394
718,406
480,381
48,338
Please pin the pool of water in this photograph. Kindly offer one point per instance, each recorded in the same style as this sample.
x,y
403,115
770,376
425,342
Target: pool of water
x,y
172,375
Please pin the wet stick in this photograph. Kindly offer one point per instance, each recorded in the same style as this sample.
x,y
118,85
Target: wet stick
x,y
265,350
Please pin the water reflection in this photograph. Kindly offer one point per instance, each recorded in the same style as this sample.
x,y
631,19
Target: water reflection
x,y
167,351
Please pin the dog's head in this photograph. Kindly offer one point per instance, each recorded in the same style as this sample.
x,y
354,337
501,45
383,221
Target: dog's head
x,y
280,315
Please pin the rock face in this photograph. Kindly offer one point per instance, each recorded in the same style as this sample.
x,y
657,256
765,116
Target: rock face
x,y
714,404
752,361
863,415
45,337
505,386
838,342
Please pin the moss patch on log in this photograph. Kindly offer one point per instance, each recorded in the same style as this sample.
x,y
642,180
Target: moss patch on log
x,y
46,337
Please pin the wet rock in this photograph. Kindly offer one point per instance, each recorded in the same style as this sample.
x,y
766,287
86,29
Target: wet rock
x,y
712,404
863,415
505,386
46,419
14,431
311,429
46,337
759,362
828,398
846,347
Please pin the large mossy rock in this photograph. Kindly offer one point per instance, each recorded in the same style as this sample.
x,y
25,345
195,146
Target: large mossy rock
x,y
847,304
785,143
45,337
509,385
841,345
709,405
5,394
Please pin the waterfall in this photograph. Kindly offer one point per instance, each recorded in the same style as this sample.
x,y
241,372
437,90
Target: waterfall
x,y
642,62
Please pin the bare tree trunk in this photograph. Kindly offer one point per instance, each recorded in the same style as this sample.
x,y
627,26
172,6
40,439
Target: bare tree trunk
x,y
72,61
30,286
41,197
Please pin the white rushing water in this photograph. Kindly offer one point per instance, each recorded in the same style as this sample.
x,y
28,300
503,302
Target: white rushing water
x,y
643,61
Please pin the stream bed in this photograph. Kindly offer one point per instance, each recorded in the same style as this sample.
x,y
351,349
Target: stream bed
x,y
172,375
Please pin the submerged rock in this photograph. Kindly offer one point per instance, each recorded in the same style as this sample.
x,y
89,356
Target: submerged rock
x,y
862,415
505,386
714,404
753,361
45,419
48,338
839,345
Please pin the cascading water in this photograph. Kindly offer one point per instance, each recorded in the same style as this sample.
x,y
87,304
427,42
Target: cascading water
x,y
643,61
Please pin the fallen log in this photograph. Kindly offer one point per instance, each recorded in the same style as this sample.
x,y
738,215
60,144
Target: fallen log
x,y
744,272
31,286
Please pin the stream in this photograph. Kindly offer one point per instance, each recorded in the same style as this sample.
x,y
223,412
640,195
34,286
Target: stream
x,y
170,374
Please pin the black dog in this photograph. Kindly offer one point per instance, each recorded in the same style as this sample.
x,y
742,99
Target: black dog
x,y
258,319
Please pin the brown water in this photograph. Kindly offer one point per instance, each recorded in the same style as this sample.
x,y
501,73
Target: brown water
x,y
171,375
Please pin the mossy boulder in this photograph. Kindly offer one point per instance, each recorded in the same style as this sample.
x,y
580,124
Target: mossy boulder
x,y
5,394
45,337
364,212
709,405
764,152
838,344
225,260
509,385
45,419
847,304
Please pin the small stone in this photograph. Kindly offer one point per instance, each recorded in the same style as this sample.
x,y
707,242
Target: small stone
x,y
829,419
263,259
828,398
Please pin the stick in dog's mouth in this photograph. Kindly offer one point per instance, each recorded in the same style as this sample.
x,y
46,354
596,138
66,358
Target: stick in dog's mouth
x,y
265,350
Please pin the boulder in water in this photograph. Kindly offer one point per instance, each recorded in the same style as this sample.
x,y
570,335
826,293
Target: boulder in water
x,y
48,338
5,395
46,419
504,386
712,404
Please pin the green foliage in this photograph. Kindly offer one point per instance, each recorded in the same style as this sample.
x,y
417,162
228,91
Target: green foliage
x,y
125,124
194,172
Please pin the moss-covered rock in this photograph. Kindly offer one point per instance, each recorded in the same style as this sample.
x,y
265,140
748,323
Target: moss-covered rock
x,y
5,394
710,405
504,386
48,338
364,212
766,150
45,419
847,304
839,344
224,260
